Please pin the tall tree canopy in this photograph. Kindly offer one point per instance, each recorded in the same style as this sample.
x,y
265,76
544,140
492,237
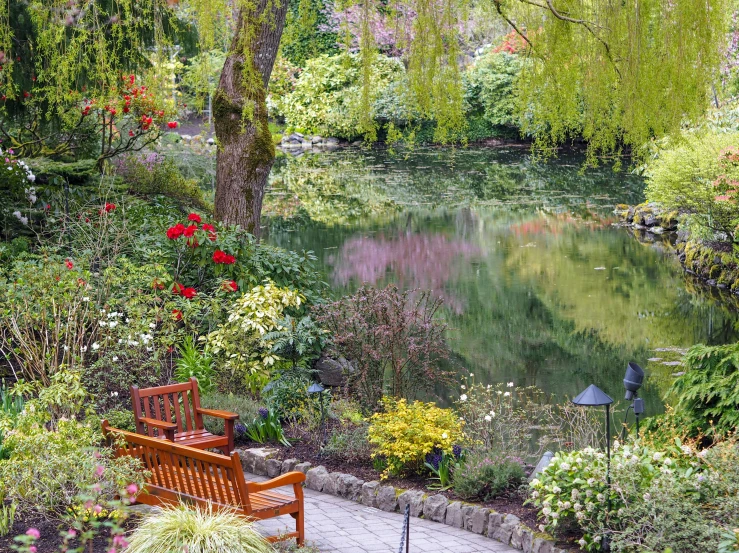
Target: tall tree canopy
x,y
617,73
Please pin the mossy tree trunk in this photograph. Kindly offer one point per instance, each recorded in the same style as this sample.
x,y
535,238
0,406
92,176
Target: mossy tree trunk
x,y
245,149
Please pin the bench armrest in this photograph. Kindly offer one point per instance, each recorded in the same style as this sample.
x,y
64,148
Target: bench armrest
x,y
217,413
286,479
164,425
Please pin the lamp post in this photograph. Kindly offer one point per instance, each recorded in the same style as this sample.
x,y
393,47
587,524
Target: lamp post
x,y
593,396
317,388
632,382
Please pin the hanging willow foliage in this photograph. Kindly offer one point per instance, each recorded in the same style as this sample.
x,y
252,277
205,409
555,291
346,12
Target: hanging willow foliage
x,y
616,73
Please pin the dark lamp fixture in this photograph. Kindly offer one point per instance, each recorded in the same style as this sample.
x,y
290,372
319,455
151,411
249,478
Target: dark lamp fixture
x,y
592,396
633,379
315,388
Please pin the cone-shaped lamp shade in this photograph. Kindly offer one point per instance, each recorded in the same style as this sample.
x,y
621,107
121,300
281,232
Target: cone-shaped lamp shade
x,y
315,388
593,396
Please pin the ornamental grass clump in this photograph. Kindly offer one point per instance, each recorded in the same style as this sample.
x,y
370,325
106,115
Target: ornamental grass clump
x,y
486,475
405,433
201,530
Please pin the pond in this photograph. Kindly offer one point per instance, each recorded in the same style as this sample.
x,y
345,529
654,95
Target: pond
x,y
539,286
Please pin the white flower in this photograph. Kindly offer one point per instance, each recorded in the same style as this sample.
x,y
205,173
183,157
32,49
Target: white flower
x,y
472,375
535,482
114,394
444,436
582,542
510,384
657,456
556,489
152,325
86,298
534,494
542,528
597,538
499,392
84,349
115,358
95,346
463,387
507,394
488,418
103,323
66,348
647,497
579,515
463,397
546,511
128,320
667,461
600,497
565,466
492,413
577,507
112,314
555,515
567,505
113,324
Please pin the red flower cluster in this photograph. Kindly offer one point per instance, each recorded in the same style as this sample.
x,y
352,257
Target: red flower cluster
x,y
172,124
211,230
108,208
180,290
224,258
173,233
177,314
196,218
69,264
230,286
190,230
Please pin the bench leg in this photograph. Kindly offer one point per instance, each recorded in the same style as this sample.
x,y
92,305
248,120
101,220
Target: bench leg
x,y
299,527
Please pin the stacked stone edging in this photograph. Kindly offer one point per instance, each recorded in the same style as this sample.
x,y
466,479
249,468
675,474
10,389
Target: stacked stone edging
x,y
505,528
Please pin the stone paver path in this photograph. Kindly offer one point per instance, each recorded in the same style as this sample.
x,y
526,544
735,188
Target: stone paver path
x,y
334,524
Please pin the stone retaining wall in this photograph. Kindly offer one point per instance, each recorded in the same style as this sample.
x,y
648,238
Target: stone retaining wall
x,y
505,528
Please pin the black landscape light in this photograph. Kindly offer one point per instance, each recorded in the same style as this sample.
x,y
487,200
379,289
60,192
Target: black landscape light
x,y
317,388
593,396
633,380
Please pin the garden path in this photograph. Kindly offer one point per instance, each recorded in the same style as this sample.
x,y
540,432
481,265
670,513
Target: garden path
x,y
334,524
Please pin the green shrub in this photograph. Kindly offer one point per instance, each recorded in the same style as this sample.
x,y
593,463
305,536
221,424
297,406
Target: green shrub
x,y
489,88
707,394
651,495
327,95
238,341
49,470
195,363
699,174
196,530
350,443
151,174
485,475
122,419
246,407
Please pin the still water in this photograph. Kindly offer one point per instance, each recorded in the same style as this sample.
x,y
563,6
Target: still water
x,y
539,286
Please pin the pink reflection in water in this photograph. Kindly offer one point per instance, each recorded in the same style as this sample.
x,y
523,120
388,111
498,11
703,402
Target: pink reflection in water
x,y
423,261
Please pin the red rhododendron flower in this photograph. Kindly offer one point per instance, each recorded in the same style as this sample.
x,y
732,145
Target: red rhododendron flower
x,y
195,217
109,207
177,314
172,124
189,293
230,286
69,264
176,231
189,231
206,226
178,289
224,258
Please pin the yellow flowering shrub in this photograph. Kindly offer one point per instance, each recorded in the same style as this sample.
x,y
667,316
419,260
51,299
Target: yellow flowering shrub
x,y
404,433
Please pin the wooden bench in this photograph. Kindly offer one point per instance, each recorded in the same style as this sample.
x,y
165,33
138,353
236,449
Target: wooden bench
x,y
173,412
184,474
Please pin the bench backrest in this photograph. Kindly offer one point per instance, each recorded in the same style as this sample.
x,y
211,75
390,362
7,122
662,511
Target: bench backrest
x,y
176,403
180,473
